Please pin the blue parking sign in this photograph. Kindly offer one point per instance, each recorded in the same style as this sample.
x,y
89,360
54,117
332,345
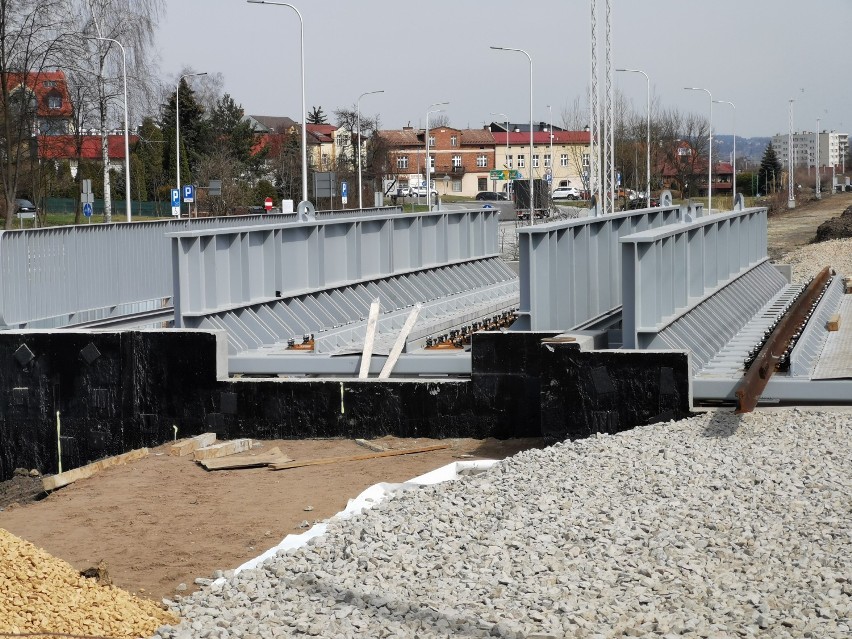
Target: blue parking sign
x,y
344,189
175,197
188,193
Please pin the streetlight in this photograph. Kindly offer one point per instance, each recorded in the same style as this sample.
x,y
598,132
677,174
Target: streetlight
x,y
648,134
358,117
126,132
791,193
428,163
816,162
532,199
550,110
506,163
734,186
304,112
710,157
177,126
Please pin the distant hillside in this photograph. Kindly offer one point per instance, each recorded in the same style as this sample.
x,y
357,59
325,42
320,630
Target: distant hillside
x,y
751,148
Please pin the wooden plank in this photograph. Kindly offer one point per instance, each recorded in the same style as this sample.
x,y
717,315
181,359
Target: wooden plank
x,y
833,323
222,450
273,455
369,338
336,460
70,476
371,445
399,344
190,445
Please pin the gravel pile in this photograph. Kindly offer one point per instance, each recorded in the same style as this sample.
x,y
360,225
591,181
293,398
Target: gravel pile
x,y
808,260
715,526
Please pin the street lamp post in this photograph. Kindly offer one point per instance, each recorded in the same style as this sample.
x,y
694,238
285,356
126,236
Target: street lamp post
x,y
532,199
177,126
816,162
304,110
550,110
428,163
647,133
734,163
506,163
710,154
126,132
791,193
358,118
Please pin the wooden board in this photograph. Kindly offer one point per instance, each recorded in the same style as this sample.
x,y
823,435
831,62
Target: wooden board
x,y
273,455
222,450
188,446
70,476
336,460
833,323
371,445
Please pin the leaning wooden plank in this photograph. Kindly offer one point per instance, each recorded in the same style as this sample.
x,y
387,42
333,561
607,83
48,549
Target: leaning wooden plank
x,y
336,460
367,354
70,476
188,446
222,450
399,344
273,455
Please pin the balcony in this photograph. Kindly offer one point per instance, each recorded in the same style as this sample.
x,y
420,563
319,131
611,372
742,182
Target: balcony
x,y
449,169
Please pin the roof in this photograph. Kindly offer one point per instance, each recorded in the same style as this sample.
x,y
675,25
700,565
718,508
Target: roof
x,y
322,133
395,137
64,147
542,137
477,136
522,127
45,84
274,123
275,141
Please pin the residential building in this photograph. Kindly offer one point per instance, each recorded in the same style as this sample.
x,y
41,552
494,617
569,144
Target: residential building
x,y
74,148
568,163
459,159
321,145
47,94
833,147
682,168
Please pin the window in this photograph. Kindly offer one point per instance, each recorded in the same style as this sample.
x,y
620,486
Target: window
x,y
402,162
547,160
324,159
586,160
482,161
341,139
454,140
482,184
457,161
432,162
563,159
509,161
535,162
431,140
457,187
522,161
683,151
54,102
49,83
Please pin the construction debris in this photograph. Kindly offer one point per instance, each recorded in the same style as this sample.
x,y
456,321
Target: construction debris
x,y
833,323
222,450
192,444
273,455
378,448
68,477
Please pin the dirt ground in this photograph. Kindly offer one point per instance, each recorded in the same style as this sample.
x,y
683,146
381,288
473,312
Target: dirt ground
x,y
793,228
162,521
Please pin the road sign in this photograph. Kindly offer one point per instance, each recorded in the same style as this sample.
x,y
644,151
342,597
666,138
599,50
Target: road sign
x,y
188,193
498,174
267,204
548,172
215,187
87,209
548,177
487,206
515,175
175,198
344,192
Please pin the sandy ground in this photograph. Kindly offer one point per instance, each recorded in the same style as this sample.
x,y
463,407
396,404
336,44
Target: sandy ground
x,y
164,520
793,228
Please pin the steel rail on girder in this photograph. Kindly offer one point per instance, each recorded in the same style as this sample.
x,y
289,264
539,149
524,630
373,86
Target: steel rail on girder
x,y
757,376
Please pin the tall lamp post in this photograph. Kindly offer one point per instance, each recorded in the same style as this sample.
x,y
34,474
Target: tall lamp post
x,y
710,154
647,133
816,162
506,163
734,185
177,123
358,118
791,193
126,132
550,110
428,163
532,199
304,110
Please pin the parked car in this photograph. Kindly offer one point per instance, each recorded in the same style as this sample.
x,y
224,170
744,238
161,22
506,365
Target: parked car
x,y
566,193
403,191
25,206
490,195
640,203
422,191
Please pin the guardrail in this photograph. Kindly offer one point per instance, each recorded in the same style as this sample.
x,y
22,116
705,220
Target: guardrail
x,y
570,272
668,271
221,269
62,276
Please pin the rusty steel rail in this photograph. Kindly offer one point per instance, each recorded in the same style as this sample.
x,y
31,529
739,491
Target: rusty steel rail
x,y
757,376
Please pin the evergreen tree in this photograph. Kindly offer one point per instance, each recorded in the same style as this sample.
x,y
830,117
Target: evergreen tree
x,y
231,133
194,132
770,170
317,116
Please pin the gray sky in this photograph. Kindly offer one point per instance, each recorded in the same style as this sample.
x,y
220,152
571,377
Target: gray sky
x,y
756,53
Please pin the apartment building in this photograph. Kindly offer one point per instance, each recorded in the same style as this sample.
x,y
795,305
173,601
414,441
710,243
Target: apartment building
x,y
833,148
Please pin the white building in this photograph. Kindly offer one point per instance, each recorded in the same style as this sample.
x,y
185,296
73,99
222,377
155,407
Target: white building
x,y
833,147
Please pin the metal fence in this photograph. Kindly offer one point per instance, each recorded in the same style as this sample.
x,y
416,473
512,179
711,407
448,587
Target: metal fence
x,y
221,269
68,275
668,271
570,272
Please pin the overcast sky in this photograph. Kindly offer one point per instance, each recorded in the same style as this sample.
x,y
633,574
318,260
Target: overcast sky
x,y
756,53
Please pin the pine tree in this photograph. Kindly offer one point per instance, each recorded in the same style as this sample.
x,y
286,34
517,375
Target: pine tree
x,y
316,116
194,132
770,170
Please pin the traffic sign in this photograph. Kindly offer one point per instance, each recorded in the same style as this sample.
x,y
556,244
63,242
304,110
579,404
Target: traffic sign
x,y
515,175
498,174
175,198
188,193
87,209
548,177
548,172
344,192
267,204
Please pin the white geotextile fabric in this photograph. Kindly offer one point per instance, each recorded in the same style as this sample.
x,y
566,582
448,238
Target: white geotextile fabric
x,y
367,499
